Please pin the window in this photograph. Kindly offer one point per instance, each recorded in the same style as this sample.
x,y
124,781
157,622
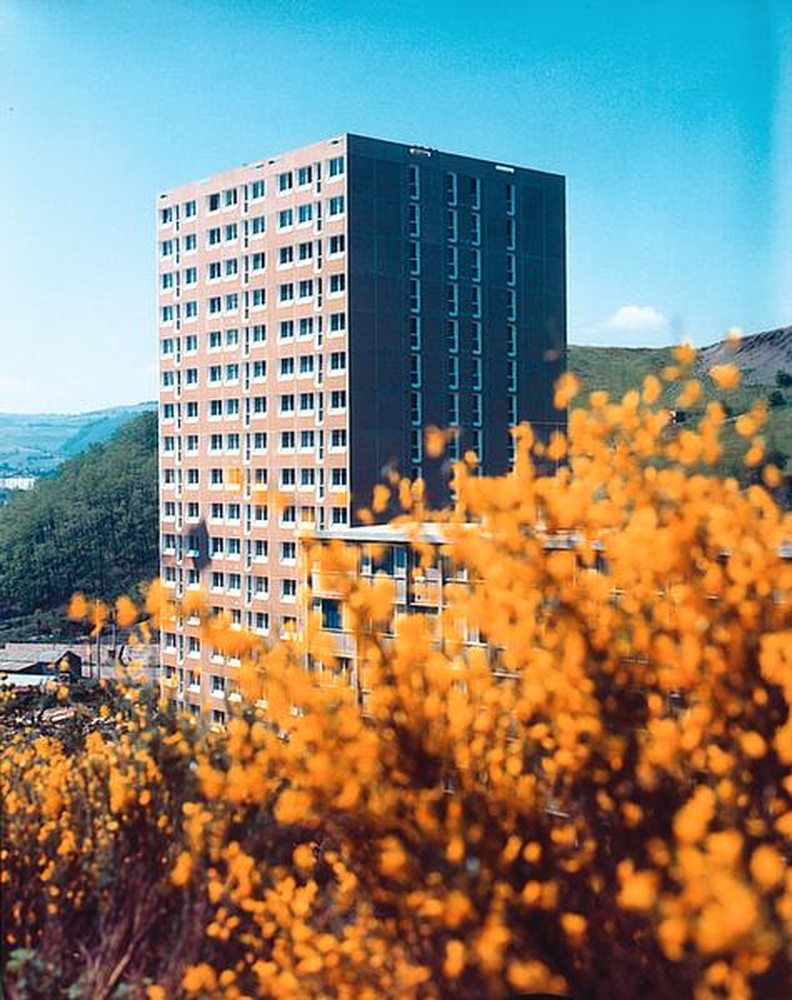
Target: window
x,y
414,257
231,302
214,270
306,364
166,248
258,189
305,289
307,478
261,513
190,275
338,439
288,590
415,295
414,220
259,370
338,478
288,478
415,409
306,328
511,340
337,322
453,408
190,309
286,329
231,267
511,304
166,281
191,446
166,347
475,337
286,292
167,314
216,443
306,402
452,262
475,264
168,379
232,407
415,370
305,250
415,333
260,549
259,298
338,399
190,242
510,199
511,375
260,441
476,373
232,338
337,361
336,245
452,225
336,166
511,269
285,218
213,236
336,205
476,409
475,192
259,405
452,335
511,234
214,340
304,213
286,368
258,225
213,201
337,283
307,439
191,376
215,407
285,256
453,372
285,181
231,232
259,333
232,442
451,188
414,181
288,552
287,440
168,411
230,197
475,229
339,515
304,176
452,299
475,300
190,209
286,403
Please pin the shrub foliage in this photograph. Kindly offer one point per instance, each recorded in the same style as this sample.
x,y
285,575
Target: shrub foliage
x,y
594,800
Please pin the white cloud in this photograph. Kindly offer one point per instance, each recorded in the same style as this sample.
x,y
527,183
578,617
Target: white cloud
x,y
630,326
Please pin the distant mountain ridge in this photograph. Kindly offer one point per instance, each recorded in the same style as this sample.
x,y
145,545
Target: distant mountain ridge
x,y
34,444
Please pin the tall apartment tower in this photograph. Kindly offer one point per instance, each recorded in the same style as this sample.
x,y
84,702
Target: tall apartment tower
x,y
317,310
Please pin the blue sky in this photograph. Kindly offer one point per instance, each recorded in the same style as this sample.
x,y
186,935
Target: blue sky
x,y
672,122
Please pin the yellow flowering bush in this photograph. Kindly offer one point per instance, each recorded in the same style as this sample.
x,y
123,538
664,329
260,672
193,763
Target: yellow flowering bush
x,y
594,800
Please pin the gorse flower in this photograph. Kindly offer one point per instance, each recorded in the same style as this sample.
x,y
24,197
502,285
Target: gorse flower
x,y
593,796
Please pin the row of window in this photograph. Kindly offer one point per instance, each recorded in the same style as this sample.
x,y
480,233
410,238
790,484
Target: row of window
x,y
256,190
287,293
303,328
231,513
288,441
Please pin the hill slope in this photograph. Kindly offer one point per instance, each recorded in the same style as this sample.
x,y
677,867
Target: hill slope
x,y
92,526
765,360
35,444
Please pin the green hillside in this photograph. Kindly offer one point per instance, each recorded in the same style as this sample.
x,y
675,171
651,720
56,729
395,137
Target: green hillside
x,y
91,526
765,360
35,444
